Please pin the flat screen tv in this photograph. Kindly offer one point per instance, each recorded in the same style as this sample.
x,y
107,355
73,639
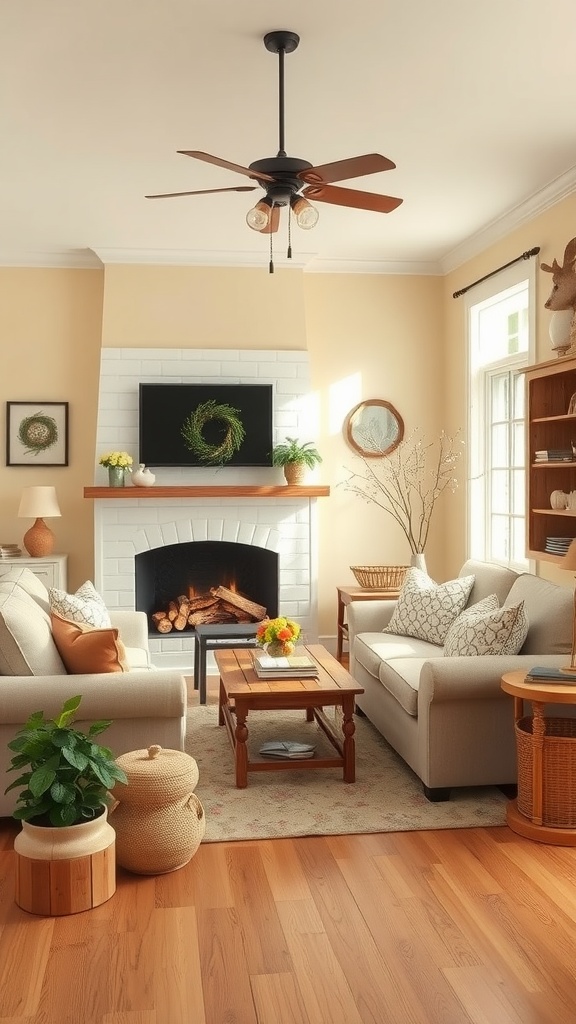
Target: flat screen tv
x,y
177,429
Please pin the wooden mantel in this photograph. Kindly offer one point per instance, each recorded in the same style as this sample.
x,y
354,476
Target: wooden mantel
x,y
208,491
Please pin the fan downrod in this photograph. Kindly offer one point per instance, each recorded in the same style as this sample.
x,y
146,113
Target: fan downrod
x,y
281,41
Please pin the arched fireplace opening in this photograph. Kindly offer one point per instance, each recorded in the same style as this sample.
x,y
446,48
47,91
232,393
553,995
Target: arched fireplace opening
x,y
183,585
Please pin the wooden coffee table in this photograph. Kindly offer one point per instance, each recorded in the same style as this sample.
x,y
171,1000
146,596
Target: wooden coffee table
x,y
241,691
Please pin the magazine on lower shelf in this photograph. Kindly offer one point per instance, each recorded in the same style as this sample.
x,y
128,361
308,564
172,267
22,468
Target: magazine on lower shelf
x,y
291,666
288,750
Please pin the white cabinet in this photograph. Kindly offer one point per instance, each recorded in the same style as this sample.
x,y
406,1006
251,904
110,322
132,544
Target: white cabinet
x,y
52,569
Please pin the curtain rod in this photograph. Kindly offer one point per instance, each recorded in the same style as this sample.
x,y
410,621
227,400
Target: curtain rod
x,y
524,256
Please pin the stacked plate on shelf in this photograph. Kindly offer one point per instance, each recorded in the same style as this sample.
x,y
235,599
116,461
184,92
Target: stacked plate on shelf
x,y
557,545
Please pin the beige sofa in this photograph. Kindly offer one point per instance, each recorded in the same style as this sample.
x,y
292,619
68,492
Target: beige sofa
x,y
448,717
146,705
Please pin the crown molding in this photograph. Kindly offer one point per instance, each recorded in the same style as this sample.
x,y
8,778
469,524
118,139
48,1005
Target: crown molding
x,y
75,259
536,204
197,258
308,262
344,266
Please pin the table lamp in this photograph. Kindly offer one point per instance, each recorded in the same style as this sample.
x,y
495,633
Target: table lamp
x,y
569,562
36,503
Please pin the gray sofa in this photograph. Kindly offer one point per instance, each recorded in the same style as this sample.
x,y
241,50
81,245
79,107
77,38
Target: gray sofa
x,y
146,705
448,717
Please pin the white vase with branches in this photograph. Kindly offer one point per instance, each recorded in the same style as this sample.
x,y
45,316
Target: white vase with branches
x,y
408,483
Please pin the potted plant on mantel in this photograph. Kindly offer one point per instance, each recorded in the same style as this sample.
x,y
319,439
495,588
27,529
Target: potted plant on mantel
x,y
66,850
295,458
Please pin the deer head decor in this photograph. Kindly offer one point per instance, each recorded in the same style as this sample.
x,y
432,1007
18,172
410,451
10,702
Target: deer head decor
x,y
563,294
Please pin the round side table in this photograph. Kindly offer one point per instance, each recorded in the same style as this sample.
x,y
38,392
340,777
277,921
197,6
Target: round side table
x,y
539,693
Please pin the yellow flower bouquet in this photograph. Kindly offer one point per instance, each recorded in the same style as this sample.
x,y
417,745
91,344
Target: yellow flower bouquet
x,y
120,459
278,635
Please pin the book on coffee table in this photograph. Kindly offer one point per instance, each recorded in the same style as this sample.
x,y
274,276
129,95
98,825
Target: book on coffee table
x,y
292,666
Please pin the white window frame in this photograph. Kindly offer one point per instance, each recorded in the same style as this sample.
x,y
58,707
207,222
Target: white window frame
x,y
478,479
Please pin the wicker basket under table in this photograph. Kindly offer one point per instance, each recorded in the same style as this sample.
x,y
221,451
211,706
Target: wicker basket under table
x,y
558,770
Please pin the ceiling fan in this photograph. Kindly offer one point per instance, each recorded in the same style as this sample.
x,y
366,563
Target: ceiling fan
x,y
289,181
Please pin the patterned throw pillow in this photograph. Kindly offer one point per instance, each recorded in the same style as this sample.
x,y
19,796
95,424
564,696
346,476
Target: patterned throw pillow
x,y
498,632
85,606
426,609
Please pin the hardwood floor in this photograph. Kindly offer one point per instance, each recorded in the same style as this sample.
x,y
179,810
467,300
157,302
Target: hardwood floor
x,y
470,926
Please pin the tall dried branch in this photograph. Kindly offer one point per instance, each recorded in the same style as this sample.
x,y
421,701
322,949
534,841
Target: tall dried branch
x,y
407,483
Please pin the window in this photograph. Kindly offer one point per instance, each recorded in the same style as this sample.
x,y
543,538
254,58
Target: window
x,y
500,332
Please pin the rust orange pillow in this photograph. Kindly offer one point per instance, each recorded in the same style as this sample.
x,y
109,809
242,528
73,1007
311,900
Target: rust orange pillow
x,y
85,649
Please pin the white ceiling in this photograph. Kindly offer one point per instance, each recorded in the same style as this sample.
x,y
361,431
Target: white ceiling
x,y
473,101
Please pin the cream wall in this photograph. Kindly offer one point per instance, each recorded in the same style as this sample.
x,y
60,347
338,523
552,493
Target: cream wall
x,y
202,307
51,328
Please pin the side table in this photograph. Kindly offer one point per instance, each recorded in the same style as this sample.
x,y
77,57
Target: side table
x,y
540,693
218,637
345,596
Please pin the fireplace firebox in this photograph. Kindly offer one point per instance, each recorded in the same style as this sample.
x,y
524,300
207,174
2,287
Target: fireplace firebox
x,y
180,586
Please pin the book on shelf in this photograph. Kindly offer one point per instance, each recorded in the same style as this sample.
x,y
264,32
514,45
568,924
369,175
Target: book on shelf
x,y
547,673
288,750
554,453
555,458
290,666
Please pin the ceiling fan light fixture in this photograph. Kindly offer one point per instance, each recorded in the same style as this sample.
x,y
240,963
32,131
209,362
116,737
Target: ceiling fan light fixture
x,y
258,217
306,214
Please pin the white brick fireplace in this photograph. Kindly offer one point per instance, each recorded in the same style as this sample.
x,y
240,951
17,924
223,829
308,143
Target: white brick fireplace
x,y
125,526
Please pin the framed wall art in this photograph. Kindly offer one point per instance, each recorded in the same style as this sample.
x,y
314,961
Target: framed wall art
x,y
36,433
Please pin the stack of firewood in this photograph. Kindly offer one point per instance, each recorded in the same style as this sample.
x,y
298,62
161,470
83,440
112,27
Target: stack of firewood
x,y
218,605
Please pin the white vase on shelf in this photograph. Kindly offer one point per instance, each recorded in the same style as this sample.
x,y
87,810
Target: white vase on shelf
x,y
142,477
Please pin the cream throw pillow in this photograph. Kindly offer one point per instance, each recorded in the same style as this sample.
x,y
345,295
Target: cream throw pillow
x,y
426,609
496,632
85,606
84,649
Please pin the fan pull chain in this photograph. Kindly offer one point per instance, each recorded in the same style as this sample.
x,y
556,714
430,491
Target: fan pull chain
x,y
271,263
289,253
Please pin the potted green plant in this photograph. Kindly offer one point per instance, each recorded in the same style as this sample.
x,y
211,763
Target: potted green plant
x,y
68,775
63,810
295,458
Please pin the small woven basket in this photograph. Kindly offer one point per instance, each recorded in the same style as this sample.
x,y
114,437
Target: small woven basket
x,y
558,771
380,577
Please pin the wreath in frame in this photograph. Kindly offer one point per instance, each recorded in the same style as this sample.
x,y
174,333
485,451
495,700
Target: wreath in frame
x,y
213,454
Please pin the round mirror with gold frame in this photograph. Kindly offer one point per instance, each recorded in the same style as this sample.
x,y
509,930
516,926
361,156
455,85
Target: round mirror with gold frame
x,y
374,428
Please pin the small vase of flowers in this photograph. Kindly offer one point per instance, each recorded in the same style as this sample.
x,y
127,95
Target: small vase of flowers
x,y
117,464
278,636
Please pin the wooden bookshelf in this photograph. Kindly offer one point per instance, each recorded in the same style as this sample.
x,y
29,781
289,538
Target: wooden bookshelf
x,y
549,389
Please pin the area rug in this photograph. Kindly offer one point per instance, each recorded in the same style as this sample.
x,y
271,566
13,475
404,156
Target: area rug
x,y
386,797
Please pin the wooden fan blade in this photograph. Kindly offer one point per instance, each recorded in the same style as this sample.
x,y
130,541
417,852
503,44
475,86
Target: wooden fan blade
x,y
350,197
209,159
340,170
273,223
203,192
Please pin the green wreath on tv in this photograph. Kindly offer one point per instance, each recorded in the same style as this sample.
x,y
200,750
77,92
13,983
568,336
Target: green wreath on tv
x,y
230,442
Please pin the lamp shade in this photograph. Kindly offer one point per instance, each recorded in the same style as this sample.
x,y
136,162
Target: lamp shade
x,y
569,560
39,502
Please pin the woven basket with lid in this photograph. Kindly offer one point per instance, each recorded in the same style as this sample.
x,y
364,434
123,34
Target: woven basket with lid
x,y
159,822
